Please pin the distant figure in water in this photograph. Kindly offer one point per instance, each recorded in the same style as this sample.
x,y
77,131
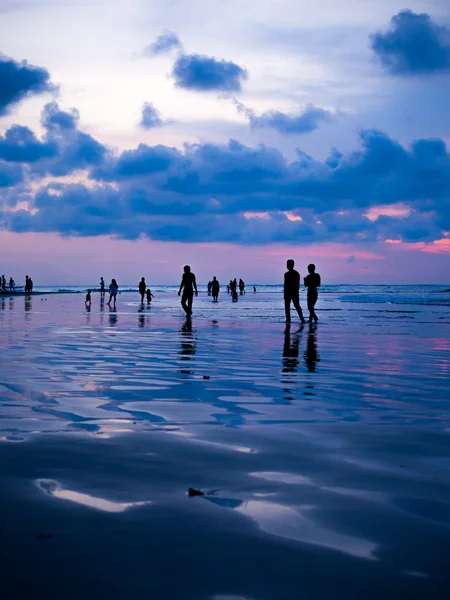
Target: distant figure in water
x,y
12,283
229,287
102,286
188,285
209,287
113,289
292,291
234,295
241,287
3,278
149,296
142,288
312,282
88,298
28,285
254,289
215,288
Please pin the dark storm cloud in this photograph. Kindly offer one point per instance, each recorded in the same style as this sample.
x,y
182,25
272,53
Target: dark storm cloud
x,y
204,73
52,118
164,43
19,80
150,117
414,44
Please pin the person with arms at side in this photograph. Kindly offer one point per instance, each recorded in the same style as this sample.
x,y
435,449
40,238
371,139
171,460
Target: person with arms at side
x,y
215,288
292,291
142,288
312,282
188,285
113,289
102,286
12,283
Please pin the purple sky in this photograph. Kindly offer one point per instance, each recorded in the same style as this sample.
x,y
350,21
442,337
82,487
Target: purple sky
x,y
138,137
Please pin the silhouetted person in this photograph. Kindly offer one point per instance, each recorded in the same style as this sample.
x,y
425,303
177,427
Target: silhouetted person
x,y
312,282
311,354
12,283
142,288
234,295
209,287
113,289
215,288
102,286
27,285
241,287
188,285
3,283
88,298
254,289
292,291
229,287
149,296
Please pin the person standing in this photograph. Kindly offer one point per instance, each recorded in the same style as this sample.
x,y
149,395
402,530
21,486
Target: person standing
x,y
188,285
209,287
113,289
292,291
102,286
12,283
142,288
241,287
312,282
215,288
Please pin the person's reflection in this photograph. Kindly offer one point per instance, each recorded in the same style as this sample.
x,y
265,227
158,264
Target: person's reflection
x,y
88,314
11,303
112,316
311,356
27,307
291,349
188,344
3,305
141,320
102,309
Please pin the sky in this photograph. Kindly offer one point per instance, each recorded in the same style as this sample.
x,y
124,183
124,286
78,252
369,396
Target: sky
x,y
138,136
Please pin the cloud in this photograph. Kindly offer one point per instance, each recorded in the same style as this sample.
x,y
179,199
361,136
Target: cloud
x,y
204,73
414,44
164,43
20,144
19,80
305,122
52,118
10,175
218,192
150,117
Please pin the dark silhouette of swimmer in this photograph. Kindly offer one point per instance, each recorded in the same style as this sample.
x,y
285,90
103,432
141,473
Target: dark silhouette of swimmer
x,y
215,288
292,291
142,288
311,354
312,282
88,298
189,286
149,296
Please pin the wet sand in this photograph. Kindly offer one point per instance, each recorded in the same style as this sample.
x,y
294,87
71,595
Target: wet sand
x,y
323,453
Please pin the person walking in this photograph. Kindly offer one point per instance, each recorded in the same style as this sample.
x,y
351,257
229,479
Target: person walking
x,y
312,282
215,288
292,291
113,289
142,288
188,286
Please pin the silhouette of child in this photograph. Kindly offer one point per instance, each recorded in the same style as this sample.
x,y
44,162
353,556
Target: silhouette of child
x,y
149,296
88,297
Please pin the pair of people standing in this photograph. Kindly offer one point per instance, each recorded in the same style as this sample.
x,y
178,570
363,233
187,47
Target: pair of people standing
x,y
292,291
144,291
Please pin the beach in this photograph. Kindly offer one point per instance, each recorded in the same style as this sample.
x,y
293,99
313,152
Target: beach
x,y
322,451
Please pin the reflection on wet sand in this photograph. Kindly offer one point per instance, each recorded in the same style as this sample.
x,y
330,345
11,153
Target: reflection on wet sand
x,y
188,345
112,316
311,356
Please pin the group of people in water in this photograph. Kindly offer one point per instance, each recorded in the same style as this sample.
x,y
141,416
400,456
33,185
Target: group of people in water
x,y
188,289
11,285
